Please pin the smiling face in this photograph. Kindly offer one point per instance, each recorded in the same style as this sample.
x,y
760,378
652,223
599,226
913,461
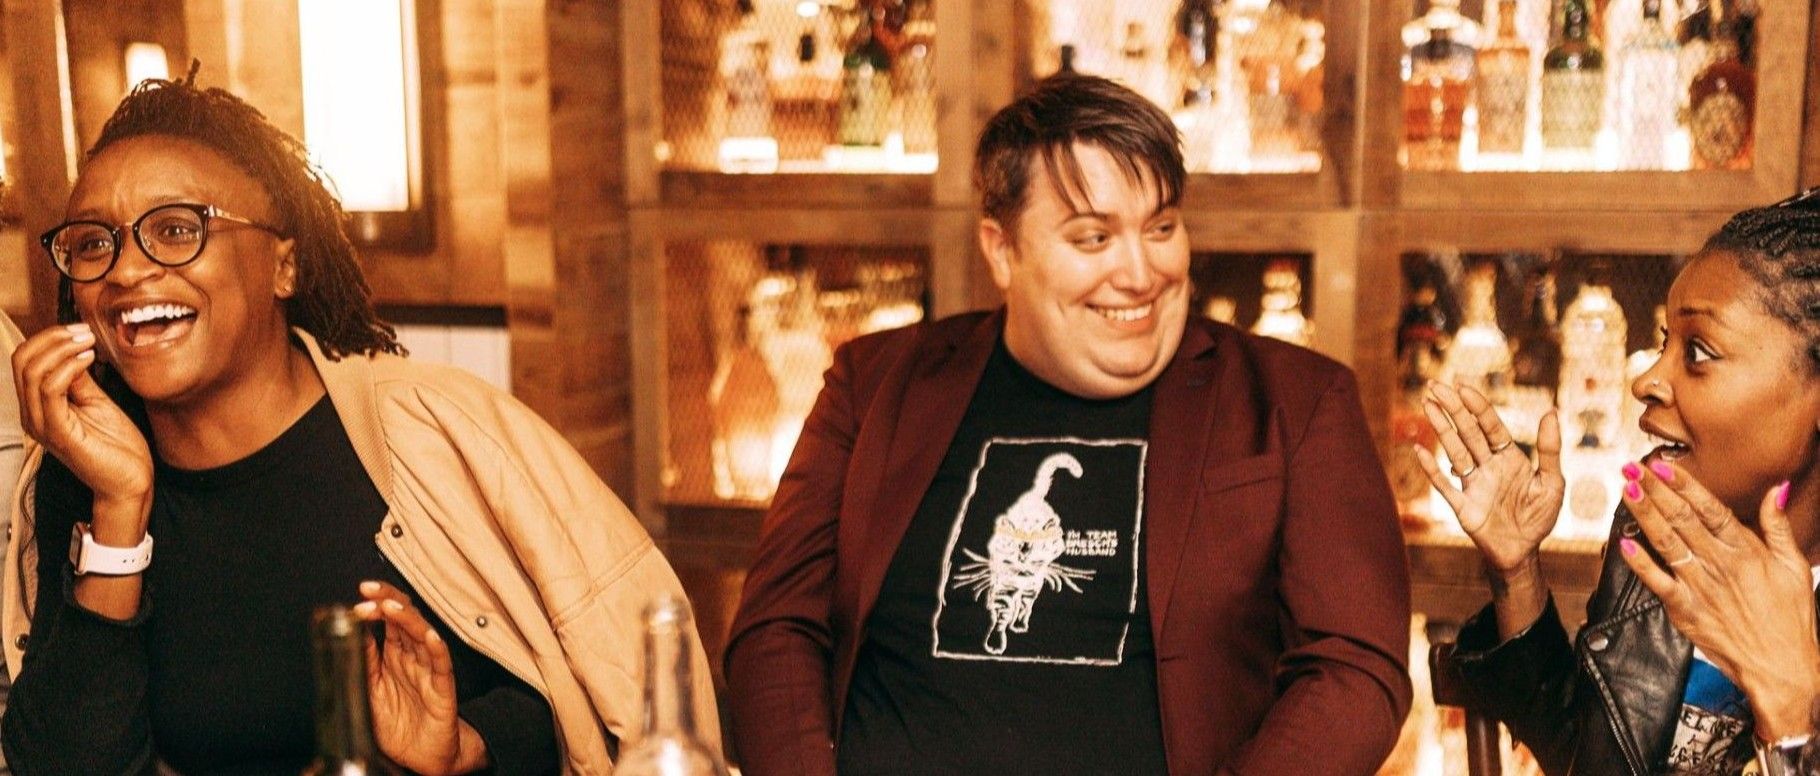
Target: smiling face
x,y
179,333
1096,290
1733,393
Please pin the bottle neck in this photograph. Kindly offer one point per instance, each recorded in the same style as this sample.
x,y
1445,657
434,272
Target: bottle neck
x,y
1507,19
344,720
1652,10
669,703
1574,21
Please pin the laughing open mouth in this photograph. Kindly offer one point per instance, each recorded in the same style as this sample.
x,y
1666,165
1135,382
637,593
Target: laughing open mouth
x,y
153,323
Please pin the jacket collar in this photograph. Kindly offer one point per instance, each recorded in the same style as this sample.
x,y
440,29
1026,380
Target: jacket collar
x,y
349,381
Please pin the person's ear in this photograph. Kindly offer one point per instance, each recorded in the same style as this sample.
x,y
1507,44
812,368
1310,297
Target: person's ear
x,y
999,246
284,277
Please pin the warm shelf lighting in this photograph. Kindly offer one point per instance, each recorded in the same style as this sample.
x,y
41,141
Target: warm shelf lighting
x,y
145,60
360,111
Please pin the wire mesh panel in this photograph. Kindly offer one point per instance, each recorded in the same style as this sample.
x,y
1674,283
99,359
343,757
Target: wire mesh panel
x,y
763,86
1580,85
1267,293
1533,333
1241,78
751,329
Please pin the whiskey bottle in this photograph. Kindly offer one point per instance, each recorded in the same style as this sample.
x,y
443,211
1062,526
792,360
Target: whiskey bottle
x,y
1573,83
1503,90
1722,104
1281,315
865,108
1434,101
1647,93
1480,354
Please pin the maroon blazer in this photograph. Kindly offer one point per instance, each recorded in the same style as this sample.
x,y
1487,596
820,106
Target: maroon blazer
x,y
1279,594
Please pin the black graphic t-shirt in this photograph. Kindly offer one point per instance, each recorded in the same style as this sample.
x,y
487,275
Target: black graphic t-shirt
x,y
1011,633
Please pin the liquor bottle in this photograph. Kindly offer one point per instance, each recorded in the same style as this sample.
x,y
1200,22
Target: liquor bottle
x,y
743,398
1480,354
1536,356
865,108
1647,92
1138,69
1443,13
1503,91
1573,83
795,349
1722,104
1434,101
916,79
746,145
344,716
1421,344
1267,57
1281,315
1193,62
1591,398
669,744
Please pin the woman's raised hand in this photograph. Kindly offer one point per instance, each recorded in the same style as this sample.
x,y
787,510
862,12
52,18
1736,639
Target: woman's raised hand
x,y
411,683
1505,504
63,408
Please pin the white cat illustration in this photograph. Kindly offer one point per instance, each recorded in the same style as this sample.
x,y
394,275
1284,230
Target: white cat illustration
x,y
1020,557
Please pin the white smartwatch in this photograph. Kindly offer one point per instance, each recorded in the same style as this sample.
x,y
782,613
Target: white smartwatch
x,y
88,556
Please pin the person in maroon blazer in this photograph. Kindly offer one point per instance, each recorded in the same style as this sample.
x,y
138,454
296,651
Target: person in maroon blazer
x,y
1085,533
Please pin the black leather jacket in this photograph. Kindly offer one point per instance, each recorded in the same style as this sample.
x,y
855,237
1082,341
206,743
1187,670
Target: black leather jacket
x,y
1608,704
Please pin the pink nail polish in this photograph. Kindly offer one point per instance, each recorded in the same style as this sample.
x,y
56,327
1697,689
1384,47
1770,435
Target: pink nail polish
x,y
1782,495
1633,491
1633,472
1628,547
1663,471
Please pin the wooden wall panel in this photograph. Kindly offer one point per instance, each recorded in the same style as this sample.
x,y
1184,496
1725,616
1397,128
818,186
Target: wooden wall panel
x,y
46,138
99,31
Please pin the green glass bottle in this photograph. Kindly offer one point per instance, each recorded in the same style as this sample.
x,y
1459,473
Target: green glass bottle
x,y
1573,83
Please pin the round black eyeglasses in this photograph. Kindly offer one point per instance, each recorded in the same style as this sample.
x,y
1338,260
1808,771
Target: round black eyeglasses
x,y
171,235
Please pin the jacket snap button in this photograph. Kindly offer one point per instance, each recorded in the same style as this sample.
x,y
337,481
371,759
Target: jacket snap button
x,y
1629,529
1598,642
19,643
481,621
397,530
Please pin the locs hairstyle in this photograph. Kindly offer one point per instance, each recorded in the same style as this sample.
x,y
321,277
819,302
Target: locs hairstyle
x,y
332,300
1063,110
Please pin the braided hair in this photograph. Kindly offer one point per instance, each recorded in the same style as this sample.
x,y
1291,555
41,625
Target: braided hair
x,y
332,301
1779,246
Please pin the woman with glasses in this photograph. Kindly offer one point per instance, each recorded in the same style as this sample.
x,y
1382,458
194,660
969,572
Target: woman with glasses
x,y
230,437
1699,653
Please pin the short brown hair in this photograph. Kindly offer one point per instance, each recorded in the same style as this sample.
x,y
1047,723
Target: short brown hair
x,y
1062,110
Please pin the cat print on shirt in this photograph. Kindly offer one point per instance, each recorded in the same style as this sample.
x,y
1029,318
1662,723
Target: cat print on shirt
x,y
1020,560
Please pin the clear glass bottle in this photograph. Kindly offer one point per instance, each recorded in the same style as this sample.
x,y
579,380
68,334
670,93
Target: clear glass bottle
x,y
795,348
1434,101
344,715
1480,354
1267,57
1647,93
865,107
1503,89
1722,105
1573,83
916,78
1591,399
1281,315
744,400
747,144
1193,65
669,744
1443,13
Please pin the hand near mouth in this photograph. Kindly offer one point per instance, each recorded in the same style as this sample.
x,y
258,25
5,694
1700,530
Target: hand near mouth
x,y
63,408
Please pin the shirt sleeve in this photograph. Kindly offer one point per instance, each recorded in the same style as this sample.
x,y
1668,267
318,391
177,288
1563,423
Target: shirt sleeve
x,y
79,704
518,727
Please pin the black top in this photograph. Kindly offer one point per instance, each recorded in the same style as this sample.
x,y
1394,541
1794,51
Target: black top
x,y
1011,633
213,675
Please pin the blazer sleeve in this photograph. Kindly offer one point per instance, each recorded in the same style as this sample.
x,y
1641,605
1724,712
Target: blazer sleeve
x,y
779,659
1528,681
1345,592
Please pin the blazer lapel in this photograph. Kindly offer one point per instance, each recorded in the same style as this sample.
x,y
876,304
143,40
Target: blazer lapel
x,y
1180,419
935,399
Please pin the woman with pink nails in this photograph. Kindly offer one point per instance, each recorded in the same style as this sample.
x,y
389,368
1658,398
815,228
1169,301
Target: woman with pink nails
x,y
1699,654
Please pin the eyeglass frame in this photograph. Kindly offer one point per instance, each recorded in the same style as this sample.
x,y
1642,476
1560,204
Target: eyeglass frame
x,y
1809,199
206,213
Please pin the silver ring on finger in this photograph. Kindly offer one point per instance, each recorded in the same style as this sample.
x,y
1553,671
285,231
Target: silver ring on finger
x,y
1683,560
1464,474
1501,448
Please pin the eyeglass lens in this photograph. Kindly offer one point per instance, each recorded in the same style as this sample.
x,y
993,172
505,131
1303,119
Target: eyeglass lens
x,y
170,235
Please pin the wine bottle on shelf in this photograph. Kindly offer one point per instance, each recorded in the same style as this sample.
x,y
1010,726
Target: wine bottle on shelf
x,y
1434,101
1647,93
1722,103
669,744
344,715
1503,88
1573,83
865,108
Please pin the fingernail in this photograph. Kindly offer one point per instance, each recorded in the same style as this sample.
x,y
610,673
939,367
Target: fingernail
x,y
363,609
1782,495
1662,470
433,637
1628,547
82,335
369,588
394,606
86,354
1633,472
1633,491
